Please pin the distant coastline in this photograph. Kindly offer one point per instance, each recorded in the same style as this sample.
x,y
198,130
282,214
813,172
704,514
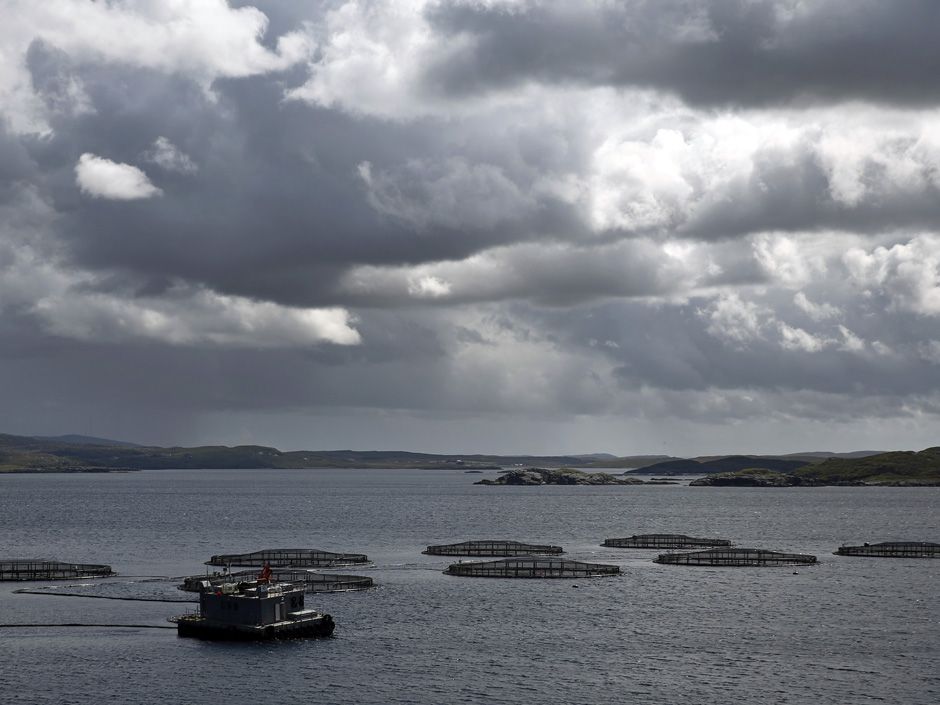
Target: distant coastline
x,y
50,471
72,454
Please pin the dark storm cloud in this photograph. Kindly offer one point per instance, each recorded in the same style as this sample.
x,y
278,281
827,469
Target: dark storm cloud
x,y
17,168
277,209
671,348
53,77
793,191
609,227
167,387
728,52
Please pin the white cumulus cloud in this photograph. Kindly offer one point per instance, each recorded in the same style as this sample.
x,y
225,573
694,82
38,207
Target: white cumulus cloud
x,y
731,318
168,156
101,178
201,39
907,274
817,312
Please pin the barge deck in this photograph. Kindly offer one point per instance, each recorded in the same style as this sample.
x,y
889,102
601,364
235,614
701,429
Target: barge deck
x,y
254,611
312,582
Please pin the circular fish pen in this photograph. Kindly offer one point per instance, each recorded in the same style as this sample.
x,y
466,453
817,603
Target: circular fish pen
x,y
312,582
32,569
531,568
289,558
735,558
665,541
492,548
892,549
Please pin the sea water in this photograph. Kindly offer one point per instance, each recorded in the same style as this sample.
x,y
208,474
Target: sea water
x,y
848,630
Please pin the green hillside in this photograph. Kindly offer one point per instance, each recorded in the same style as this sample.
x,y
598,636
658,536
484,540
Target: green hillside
x,y
898,467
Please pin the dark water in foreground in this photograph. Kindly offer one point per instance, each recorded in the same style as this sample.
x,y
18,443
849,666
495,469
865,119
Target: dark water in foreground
x,y
849,630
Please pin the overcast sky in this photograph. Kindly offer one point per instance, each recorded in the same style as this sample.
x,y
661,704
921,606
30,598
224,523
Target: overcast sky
x,y
648,226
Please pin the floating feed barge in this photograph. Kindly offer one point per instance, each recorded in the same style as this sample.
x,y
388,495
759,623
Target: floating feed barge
x,y
493,549
289,558
892,549
736,557
662,541
254,610
532,568
312,582
31,569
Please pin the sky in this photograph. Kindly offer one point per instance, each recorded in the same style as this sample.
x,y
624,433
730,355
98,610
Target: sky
x,y
507,226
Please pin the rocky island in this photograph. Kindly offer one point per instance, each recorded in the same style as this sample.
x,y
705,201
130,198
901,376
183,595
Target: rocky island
x,y
561,476
751,477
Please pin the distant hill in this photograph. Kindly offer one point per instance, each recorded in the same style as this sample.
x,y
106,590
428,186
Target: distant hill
x,y
729,463
74,439
629,461
820,455
76,453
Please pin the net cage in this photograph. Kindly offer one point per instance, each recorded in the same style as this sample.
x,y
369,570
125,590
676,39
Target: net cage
x,y
289,558
532,568
492,548
736,557
665,541
892,549
31,569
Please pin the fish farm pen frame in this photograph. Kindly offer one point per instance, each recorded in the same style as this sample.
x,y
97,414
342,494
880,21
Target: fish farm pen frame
x,y
532,568
662,541
312,582
735,558
492,548
892,549
289,558
30,569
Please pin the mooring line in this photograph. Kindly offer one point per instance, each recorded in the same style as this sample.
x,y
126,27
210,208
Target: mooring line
x,y
99,597
77,624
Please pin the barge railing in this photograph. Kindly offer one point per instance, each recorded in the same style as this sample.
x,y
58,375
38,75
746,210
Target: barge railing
x,y
312,582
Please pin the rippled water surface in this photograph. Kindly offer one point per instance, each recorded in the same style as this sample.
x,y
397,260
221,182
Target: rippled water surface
x,y
849,630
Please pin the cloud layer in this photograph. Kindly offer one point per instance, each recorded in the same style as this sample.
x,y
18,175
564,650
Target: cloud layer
x,y
673,218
